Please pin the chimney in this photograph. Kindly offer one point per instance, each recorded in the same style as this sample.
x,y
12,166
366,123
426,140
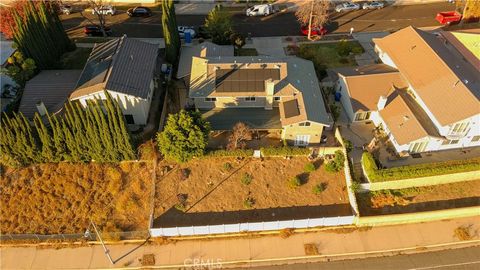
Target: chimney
x,y
382,101
42,110
269,89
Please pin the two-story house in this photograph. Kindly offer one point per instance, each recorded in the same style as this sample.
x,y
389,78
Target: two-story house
x,y
263,92
425,95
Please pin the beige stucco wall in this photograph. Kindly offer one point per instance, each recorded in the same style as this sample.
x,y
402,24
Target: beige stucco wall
x,y
291,131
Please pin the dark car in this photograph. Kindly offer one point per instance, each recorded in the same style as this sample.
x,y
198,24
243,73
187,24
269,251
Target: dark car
x,y
139,12
95,31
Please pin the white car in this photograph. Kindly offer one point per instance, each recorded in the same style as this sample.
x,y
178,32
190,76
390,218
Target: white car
x,y
260,10
105,10
373,5
186,29
66,9
347,7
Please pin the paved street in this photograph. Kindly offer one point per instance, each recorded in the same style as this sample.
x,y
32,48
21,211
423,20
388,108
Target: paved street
x,y
389,18
463,258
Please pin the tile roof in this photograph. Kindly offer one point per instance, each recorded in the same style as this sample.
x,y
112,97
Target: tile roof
x,y
122,65
448,85
52,87
205,49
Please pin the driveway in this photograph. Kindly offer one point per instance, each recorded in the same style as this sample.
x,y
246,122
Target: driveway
x,y
365,39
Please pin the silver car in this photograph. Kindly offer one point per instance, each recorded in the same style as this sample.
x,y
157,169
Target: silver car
x,y
347,7
373,5
105,10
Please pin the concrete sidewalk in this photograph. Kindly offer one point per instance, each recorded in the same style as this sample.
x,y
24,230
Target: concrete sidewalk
x,y
253,251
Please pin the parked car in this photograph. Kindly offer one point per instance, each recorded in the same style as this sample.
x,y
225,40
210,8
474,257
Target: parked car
x,y
259,10
316,31
186,29
65,9
95,31
347,7
105,10
373,5
139,12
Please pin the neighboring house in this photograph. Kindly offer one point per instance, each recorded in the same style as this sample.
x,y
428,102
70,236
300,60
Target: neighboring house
x,y
262,92
427,99
124,67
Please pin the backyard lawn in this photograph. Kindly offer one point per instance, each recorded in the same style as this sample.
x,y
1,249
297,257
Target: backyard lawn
x,y
329,55
229,190
418,199
63,198
75,59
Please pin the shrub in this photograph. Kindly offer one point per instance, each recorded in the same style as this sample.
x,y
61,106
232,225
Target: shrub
x,y
284,151
184,173
230,153
355,187
246,179
463,233
348,145
319,188
337,163
335,110
227,166
294,182
343,60
343,48
414,171
357,50
248,203
309,167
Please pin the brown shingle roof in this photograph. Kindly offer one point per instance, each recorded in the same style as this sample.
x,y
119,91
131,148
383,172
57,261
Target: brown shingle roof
x,y
52,87
446,84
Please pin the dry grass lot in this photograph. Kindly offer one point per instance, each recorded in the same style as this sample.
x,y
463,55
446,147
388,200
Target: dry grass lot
x,y
214,193
62,198
428,198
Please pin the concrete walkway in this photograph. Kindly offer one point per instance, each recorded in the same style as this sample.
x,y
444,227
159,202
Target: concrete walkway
x,y
245,252
272,46
365,39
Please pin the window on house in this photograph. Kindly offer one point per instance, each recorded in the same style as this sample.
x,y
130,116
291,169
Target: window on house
x,y
476,138
208,99
304,124
418,147
459,127
250,99
129,119
277,98
340,89
360,116
447,142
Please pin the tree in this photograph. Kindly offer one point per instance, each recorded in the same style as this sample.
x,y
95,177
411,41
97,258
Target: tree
x,y
170,32
7,21
185,136
218,24
19,68
470,10
314,13
237,40
241,133
96,6
39,33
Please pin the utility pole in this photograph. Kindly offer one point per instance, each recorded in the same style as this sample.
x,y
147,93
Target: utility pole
x,y
310,21
107,252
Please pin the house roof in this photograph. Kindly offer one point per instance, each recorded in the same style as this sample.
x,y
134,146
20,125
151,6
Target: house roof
x,y
205,49
405,119
52,87
123,65
296,78
467,44
448,85
365,85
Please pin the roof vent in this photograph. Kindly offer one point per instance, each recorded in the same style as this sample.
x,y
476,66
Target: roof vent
x,y
277,66
406,118
217,67
413,47
465,81
455,84
263,66
131,57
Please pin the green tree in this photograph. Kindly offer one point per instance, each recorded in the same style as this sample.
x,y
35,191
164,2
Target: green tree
x,y
170,32
46,139
19,68
219,24
185,136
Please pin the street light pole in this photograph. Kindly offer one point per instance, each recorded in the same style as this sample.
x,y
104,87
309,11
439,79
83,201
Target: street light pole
x,y
107,252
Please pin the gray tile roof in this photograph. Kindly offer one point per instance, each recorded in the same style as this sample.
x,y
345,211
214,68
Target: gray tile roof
x,y
211,50
123,65
52,87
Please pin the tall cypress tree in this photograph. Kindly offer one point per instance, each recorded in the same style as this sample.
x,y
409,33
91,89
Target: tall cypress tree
x,y
45,136
170,31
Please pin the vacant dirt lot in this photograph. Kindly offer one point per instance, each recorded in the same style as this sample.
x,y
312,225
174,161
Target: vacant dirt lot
x,y
62,198
428,198
215,191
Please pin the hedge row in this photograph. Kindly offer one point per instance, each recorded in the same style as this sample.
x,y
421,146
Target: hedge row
x,y
284,151
230,153
415,171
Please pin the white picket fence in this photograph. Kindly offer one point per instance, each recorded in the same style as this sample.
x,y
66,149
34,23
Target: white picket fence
x,y
252,227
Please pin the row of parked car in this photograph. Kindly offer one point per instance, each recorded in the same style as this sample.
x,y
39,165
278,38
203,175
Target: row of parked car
x,y
348,6
111,10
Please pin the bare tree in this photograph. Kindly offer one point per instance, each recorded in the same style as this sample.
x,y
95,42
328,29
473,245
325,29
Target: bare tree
x,y
96,6
240,135
313,13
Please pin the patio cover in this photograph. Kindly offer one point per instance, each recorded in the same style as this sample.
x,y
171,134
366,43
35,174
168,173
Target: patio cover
x,y
256,118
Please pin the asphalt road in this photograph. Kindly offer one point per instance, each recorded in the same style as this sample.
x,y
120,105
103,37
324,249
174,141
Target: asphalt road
x,y
465,258
281,24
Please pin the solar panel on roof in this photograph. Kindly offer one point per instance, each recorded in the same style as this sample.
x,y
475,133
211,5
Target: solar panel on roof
x,y
244,80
